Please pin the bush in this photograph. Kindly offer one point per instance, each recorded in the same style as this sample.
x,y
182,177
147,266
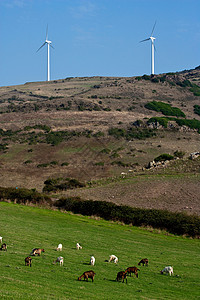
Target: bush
x,y
132,133
101,163
164,157
179,154
119,163
54,162
165,109
60,184
64,164
162,121
105,150
197,109
195,90
146,77
42,165
193,124
28,162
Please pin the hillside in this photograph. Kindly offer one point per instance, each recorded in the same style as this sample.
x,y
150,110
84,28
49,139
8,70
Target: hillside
x,y
96,129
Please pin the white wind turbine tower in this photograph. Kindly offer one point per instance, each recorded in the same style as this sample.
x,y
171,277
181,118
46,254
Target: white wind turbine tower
x,y
48,53
152,48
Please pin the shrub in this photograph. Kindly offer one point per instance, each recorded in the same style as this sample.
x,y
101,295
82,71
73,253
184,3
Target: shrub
x,y
197,109
195,89
98,134
105,150
64,164
28,162
161,120
114,155
60,184
164,157
101,163
146,77
54,162
179,154
42,165
41,127
193,124
165,109
132,133
155,80
184,83
119,163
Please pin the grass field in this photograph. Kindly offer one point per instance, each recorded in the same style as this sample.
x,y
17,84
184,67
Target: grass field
x,y
24,228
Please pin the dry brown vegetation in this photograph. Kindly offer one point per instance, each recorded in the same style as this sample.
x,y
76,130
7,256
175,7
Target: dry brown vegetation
x,y
94,105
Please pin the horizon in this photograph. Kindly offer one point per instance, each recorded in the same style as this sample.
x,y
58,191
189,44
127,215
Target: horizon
x,y
96,39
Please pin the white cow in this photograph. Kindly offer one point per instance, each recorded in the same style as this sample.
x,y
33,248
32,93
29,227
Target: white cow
x,y
168,270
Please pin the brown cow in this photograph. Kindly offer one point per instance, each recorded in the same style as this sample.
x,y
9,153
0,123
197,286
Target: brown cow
x,y
3,247
28,260
144,261
87,274
121,276
37,251
133,270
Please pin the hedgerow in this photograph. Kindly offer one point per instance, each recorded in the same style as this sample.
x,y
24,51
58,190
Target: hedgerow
x,y
23,195
176,223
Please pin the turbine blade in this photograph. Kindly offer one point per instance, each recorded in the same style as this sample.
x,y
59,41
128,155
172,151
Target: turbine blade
x,y
145,40
52,46
41,47
153,28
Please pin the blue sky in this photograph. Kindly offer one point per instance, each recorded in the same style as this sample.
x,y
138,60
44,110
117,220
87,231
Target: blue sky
x,y
96,37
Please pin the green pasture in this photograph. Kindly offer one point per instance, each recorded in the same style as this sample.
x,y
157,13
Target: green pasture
x,y
24,228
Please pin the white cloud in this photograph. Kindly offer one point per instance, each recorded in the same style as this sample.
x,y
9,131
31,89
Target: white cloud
x,y
14,3
84,9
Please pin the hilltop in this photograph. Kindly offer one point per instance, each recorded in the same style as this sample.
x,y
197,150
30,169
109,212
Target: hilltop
x,y
103,132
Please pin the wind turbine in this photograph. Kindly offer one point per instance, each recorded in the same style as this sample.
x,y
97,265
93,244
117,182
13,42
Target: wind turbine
x,y
48,53
152,48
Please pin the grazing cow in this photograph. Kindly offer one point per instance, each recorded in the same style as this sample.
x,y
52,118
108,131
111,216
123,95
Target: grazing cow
x,y
133,270
37,251
78,246
28,261
144,261
168,270
92,260
59,259
113,258
59,248
86,275
121,276
3,247
1,239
